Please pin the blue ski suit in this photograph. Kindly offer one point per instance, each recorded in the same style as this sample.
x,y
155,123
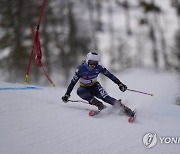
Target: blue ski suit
x,y
89,86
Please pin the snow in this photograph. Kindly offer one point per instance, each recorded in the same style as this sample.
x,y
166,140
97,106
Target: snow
x,y
36,121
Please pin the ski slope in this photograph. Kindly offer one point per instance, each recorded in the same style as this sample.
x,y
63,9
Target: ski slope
x,y
36,121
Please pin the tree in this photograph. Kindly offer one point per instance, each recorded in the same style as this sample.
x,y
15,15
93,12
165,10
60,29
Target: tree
x,y
72,36
14,26
176,52
176,5
126,6
149,8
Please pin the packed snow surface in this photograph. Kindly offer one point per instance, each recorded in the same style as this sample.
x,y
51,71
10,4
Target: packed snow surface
x,y
34,120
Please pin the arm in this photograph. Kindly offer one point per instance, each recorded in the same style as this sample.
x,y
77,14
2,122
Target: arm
x,y
71,86
110,75
122,86
73,82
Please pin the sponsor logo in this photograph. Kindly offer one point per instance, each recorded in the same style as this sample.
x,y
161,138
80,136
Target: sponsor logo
x,y
85,77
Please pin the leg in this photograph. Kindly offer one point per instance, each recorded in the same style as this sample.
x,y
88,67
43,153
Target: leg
x,y
85,94
126,109
102,94
97,103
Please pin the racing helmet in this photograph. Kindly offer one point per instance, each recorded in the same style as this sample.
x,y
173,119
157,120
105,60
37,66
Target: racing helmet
x,y
92,56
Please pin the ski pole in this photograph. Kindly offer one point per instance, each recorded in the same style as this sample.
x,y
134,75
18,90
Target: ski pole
x,y
85,102
140,92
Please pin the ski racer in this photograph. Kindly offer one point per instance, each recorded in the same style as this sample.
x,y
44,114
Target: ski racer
x,y
90,89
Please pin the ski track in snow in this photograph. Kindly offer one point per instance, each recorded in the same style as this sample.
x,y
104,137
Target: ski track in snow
x,y
38,122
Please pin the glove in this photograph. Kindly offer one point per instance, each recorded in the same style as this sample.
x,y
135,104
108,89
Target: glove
x,y
122,87
65,98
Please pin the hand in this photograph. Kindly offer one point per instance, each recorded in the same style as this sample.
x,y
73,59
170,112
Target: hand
x,y
65,98
122,87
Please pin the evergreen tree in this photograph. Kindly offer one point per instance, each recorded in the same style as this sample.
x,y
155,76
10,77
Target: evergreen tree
x,y
176,52
13,14
149,8
176,5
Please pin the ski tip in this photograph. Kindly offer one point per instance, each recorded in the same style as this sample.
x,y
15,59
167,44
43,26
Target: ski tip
x,y
131,119
91,113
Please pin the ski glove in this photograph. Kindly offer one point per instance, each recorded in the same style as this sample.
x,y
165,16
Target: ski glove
x,y
65,98
122,87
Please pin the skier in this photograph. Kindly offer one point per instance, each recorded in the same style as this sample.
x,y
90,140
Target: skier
x,y
90,89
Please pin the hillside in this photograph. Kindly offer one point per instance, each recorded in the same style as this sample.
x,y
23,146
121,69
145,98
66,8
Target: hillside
x,y
34,120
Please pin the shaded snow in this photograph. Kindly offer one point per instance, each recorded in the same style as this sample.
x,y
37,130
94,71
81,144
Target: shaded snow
x,y
38,122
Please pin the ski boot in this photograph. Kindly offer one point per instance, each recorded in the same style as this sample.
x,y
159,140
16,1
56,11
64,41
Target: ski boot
x,y
97,103
126,109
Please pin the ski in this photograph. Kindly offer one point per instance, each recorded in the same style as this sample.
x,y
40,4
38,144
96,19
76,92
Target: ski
x,y
130,119
93,113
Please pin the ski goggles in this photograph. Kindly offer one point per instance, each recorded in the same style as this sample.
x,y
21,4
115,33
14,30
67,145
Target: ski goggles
x,y
94,63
